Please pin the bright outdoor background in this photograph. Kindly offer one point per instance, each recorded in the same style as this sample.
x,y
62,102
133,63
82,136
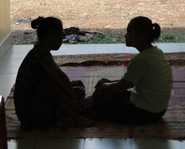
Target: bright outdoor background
x,y
110,16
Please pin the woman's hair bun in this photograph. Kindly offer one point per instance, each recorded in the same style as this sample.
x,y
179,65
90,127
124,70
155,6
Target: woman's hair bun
x,y
36,22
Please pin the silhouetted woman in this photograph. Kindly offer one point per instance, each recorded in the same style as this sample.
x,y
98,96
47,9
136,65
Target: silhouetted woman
x,y
44,96
148,73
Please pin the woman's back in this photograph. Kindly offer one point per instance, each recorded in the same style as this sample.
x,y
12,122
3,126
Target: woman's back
x,y
36,89
151,75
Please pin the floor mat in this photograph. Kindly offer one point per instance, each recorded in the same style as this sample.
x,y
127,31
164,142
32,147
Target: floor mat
x,y
171,127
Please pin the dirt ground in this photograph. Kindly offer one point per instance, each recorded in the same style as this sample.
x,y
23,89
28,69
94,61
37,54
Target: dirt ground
x,y
105,14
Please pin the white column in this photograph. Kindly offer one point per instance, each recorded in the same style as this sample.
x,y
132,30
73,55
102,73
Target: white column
x,y
4,19
4,26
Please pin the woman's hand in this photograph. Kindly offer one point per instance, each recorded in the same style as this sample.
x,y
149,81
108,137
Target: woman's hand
x,y
77,83
101,83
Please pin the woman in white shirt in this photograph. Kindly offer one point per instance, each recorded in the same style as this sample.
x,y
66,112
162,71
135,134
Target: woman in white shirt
x,y
148,73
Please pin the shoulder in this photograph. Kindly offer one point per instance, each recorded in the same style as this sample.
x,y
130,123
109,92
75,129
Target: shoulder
x,y
150,54
154,51
33,63
138,59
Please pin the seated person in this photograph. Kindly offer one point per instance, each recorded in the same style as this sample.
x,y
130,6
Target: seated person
x,y
148,73
44,96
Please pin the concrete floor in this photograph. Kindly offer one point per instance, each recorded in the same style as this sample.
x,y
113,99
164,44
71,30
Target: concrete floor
x,y
9,63
74,49
95,144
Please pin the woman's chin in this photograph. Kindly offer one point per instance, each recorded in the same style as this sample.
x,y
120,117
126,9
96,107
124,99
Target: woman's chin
x,y
56,48
128,44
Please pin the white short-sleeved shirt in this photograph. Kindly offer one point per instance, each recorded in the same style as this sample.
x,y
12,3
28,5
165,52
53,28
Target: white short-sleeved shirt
x,y
152,78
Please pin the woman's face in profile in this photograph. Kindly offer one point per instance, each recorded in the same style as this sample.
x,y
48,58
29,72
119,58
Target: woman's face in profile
x,y
130,36
56,40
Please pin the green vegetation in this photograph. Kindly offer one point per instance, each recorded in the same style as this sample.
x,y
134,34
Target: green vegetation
x,y
105,39
102,37
165,37
172,37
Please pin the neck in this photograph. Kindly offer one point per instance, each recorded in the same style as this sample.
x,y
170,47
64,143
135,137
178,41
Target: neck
x,y
142,48
42,48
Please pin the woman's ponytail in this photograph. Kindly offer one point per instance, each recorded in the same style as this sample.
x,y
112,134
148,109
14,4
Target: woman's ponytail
x,y
156,31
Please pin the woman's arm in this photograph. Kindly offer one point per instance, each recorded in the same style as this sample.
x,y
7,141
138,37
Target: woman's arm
x,y
117,85
59,77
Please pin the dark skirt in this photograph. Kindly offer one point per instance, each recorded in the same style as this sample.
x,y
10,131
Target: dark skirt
x,y
117,107
54,108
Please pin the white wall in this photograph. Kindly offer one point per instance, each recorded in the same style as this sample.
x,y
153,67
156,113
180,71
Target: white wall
x,y
4,19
